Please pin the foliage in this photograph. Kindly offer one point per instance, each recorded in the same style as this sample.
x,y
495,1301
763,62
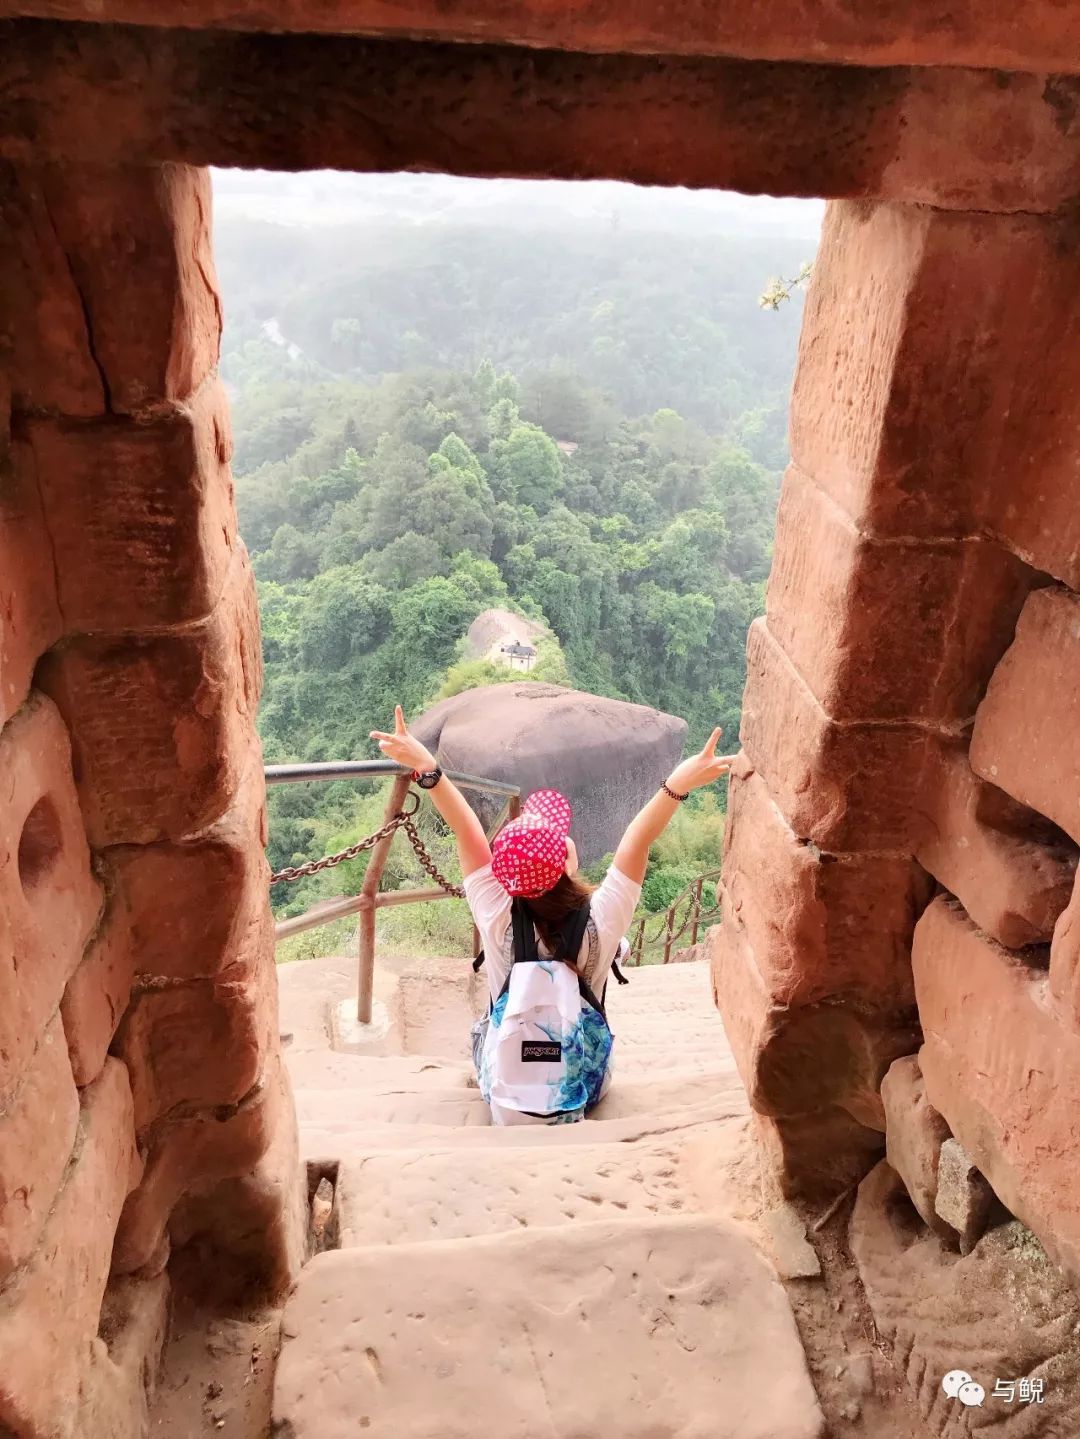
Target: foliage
x,y
777,289
611,472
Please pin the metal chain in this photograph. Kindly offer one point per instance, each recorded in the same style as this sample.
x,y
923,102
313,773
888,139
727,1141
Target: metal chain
x,y
428,863
402,820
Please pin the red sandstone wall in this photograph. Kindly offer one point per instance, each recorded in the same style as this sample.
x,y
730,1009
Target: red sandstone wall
x,y
902,728
139,1066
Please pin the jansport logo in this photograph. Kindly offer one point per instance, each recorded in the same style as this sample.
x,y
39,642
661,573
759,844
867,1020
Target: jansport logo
x,y
536,1051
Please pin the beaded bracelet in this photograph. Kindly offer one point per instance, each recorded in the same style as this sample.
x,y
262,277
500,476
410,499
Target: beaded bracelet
x,y
673,794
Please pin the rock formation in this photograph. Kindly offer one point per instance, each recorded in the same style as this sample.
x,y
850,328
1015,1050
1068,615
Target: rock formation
x,y
605,755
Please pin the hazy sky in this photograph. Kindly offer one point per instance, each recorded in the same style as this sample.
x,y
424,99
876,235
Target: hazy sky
x,y
328,197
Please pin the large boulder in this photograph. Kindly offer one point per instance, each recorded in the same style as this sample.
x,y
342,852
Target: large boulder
x,y
606,756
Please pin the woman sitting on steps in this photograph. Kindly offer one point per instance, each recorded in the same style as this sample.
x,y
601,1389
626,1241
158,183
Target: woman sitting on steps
x,y
543,1054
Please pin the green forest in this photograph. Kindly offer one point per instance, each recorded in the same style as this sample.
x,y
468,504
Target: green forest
x,y
446,422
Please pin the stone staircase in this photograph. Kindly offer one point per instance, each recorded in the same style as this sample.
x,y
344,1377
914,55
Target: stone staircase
x,y
532,1283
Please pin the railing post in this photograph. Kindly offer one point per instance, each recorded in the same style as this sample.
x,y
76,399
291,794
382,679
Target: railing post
x,y
667,932
697,910
368,890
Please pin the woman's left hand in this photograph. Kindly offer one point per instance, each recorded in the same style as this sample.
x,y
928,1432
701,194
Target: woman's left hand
x,y
402,747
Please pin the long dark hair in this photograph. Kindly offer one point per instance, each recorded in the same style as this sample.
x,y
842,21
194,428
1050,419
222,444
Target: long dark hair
x,y
549,911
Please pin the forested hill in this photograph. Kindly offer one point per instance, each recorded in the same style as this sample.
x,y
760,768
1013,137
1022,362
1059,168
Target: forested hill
x,y
651,319
432,420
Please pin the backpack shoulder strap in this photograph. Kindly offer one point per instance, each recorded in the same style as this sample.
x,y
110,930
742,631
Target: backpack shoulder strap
x,y
573,932
525,949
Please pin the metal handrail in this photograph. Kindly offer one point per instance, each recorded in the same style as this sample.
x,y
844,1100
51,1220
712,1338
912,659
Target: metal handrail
x,y
372,769
369,899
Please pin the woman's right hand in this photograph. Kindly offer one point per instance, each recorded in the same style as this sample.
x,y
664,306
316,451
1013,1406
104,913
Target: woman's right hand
x,y
702,768
402,747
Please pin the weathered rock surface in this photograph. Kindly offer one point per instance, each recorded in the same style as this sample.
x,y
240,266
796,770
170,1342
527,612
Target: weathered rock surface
x,y
821,925
924,135
191,727
606,756
30,618
49,898
1004,1311
1001,1068
870,592
58,1293
966,36
1026,738
914,1135
798,1059
37,1133
678,1321
1012,869
964,1200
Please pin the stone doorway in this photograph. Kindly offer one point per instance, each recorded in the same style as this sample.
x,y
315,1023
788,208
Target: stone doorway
x,y
910,781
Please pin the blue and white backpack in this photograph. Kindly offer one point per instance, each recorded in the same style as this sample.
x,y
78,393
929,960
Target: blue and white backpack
x,y
543,1051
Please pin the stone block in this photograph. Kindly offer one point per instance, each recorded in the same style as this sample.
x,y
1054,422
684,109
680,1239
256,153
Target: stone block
x,y
964,1200
191,1151
1065,962
815,1157
1048,41
1003,1071
49,900
29,614
1026,738
919,428
198,906
97,994
914,1134
839,601
843,786
162,724
151,341
50,1311
682,1318
118,1391
792,1254
796,1060
1011,869
43,325
195,1043
176,912
820,925
246,1237
37,1131
140,513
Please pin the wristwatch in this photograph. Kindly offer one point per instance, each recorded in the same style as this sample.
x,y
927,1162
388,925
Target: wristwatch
x,y
429,778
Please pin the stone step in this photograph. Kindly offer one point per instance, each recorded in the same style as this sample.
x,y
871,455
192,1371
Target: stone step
x,y
456,1106
343,1138
645,1329
391,1074
359,1097
464,1193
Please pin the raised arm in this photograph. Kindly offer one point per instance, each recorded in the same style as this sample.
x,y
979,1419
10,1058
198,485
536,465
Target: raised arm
x,y
403,748
632,855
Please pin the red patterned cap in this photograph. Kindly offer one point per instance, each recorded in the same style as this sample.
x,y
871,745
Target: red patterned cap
x,y
528,855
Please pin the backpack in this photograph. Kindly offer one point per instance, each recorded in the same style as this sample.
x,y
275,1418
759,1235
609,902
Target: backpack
x,y
543,1050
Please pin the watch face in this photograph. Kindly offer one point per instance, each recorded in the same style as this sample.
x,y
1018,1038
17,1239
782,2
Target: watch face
x,y
429,779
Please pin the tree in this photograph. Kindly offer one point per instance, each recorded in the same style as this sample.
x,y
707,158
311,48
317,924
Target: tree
x,y
526,468
345,615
